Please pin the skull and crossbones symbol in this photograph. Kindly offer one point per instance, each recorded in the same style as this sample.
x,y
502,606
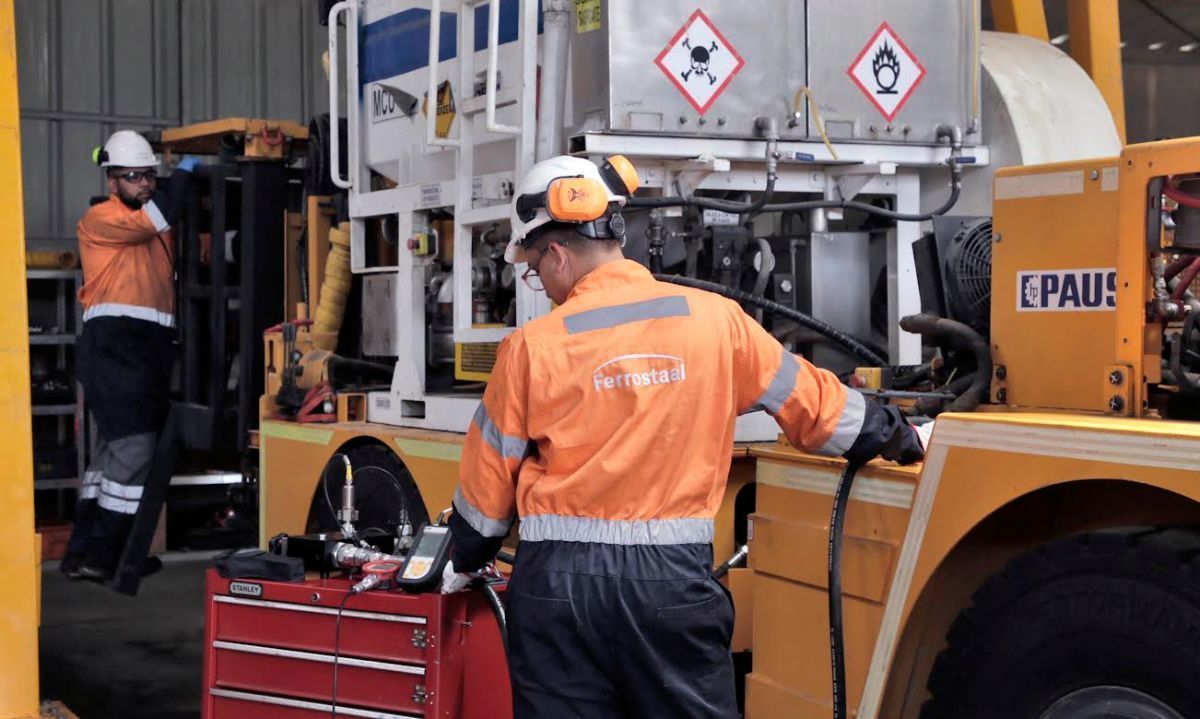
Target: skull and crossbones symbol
x,y
701,57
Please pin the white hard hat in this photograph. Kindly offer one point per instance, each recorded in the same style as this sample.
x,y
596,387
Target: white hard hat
x,y
126,148
536,183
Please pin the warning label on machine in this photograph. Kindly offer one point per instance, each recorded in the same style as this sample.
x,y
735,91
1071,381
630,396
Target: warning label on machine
x,y
700,61
587,15
886,71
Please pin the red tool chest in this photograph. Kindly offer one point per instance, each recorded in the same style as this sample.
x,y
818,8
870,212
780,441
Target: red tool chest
x,y
269,652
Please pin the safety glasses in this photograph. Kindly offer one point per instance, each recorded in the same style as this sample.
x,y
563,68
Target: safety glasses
x,y
530,277
136,176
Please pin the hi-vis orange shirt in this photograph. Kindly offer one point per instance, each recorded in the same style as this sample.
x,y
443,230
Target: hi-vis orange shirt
x,y
127,258
611,419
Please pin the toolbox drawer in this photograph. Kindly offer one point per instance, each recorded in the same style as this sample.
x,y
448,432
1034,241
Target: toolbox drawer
x,y
374,635
232,704
309,675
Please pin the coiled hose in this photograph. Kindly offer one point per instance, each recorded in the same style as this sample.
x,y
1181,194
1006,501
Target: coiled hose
x,y
837,649
335,286
854,347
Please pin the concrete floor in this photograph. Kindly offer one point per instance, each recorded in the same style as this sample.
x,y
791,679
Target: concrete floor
x,y
106,655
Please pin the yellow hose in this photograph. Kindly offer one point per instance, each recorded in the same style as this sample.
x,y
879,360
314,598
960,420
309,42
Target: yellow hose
x,y
331,308
805,93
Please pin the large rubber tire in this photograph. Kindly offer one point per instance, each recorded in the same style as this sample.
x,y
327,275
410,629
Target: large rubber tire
x,y
383,487
1116,611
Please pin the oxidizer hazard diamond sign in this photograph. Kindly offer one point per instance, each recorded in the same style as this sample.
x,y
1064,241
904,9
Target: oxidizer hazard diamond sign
x,y
886,71
700,61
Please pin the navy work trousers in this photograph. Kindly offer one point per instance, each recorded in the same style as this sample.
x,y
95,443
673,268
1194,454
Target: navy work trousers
x,y
599,630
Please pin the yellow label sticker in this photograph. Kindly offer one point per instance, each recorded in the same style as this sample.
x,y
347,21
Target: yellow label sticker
x,y
587,15
445,109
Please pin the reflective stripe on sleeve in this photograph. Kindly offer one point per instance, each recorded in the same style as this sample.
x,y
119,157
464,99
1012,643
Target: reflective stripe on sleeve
x,y
556,527
781,387
156,217
849,425
479,521
506,446
608,317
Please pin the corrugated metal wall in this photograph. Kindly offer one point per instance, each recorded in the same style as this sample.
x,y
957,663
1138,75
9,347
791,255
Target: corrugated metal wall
x,y
89,67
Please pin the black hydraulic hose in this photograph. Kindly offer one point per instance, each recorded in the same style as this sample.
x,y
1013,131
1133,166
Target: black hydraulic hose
x,y
837,649
498,610
932,406
656,263
761,204
707,203
951,201
963,338
852,346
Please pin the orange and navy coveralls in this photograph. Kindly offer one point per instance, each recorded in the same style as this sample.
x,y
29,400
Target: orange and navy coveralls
x,y
124,360
608,430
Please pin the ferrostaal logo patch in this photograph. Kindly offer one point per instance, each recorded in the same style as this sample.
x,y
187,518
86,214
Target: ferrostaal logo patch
x,y
634,371
1093,290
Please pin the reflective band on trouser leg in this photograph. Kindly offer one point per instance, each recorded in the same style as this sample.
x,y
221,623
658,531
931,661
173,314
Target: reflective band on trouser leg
x,y
506,446
118,497
556,527
126,464
608,317
479,521
849,426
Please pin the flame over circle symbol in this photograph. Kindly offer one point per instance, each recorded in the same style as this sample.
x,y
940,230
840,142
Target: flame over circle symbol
x,y
886,66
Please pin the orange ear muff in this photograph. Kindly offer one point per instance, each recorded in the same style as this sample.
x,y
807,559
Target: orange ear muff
x,y
576,199
620,176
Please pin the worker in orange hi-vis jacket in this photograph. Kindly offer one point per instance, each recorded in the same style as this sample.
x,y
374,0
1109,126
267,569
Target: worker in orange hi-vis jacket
x,y
608,429
125,347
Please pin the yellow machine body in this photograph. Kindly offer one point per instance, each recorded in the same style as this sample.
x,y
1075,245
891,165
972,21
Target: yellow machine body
x,y
20,560
920,541
1054,265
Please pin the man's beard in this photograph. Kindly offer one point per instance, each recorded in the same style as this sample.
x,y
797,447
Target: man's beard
x,y
132,203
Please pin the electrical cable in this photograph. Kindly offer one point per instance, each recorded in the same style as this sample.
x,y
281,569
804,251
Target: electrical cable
x,y
837,651
851,345
337,638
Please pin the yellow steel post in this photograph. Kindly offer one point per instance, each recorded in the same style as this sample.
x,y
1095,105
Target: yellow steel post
x,y
1024,17
1095,31
18,550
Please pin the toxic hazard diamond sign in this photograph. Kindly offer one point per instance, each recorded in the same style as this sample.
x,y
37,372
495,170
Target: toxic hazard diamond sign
x,y
700,61
886,71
